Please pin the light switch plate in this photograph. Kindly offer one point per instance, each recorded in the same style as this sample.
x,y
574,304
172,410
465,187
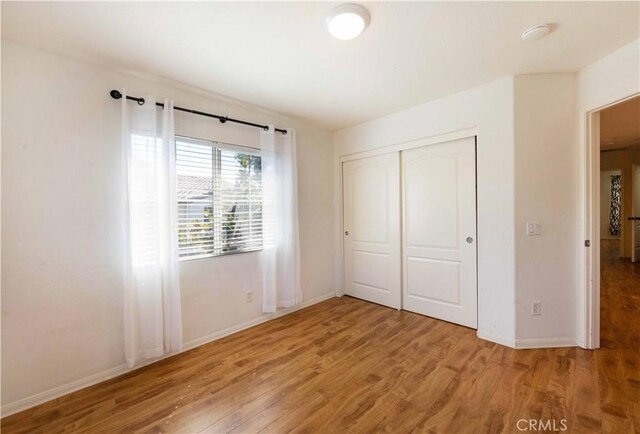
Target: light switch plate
x,y
536,308
534,228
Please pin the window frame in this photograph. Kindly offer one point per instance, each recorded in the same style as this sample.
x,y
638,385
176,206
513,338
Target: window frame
x,y
217,148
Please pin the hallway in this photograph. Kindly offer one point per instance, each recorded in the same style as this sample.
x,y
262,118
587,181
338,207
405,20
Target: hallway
x,y
618,359
620,300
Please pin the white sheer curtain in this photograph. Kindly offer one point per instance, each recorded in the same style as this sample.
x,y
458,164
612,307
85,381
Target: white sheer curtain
x,y
152,317
281,251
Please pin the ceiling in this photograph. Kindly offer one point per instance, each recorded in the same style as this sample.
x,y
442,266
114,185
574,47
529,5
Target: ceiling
x,y
620,126
277,55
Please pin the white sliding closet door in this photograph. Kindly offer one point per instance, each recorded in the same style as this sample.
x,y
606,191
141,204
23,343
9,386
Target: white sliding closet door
x,y
371,193
439,231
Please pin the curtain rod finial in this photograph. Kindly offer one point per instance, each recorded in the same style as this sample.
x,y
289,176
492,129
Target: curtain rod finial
x,y
115,94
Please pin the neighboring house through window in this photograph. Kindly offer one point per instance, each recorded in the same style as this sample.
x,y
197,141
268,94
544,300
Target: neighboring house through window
x,y
219,193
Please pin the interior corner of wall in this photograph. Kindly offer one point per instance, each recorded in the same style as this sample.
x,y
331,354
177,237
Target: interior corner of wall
x,y
501,340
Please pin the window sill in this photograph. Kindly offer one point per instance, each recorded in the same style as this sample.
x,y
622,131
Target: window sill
x,y
192,258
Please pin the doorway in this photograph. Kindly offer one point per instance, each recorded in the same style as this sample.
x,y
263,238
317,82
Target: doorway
x,y
619,228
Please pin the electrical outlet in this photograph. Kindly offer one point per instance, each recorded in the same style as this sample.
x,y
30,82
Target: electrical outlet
x,y
249,296
534,228
536,308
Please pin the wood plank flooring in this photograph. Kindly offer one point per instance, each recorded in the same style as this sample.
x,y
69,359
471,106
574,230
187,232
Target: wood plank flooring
x,y
346,365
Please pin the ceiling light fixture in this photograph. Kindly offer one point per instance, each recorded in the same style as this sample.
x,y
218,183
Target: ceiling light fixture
x,y
347,21
536,33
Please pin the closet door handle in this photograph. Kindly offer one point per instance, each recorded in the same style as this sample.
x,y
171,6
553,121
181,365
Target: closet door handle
x,y
346,233
469,240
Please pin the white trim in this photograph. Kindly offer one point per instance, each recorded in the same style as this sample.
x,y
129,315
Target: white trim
x,y
141,355
545,342
592,254
338,218
615,102
340,290
589,260
254,322
509,342
569,341
65,389
441,138
632,212
48,395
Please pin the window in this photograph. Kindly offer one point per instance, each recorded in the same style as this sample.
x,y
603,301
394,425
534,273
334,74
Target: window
x,y
219,189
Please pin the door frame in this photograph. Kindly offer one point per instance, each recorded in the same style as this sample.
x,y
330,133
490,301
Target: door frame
x,y
634,168
589,259
414,143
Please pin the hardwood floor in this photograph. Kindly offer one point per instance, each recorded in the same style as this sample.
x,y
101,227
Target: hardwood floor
x,y
346,365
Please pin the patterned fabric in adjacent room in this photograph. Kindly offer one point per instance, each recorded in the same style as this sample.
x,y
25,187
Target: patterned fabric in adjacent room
x,y
614,209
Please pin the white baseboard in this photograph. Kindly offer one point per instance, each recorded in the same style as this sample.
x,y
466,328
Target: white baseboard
x,y
508,342
529,342
65,389
546,342
254,322
582,344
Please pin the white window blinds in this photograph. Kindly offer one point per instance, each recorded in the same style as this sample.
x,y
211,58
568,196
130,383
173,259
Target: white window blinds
x,y
219,189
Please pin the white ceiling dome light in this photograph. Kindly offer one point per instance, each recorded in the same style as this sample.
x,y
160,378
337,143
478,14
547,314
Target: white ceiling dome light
x,y
347,21
536,33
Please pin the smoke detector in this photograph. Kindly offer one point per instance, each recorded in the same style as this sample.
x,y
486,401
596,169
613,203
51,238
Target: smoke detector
x,y
536,33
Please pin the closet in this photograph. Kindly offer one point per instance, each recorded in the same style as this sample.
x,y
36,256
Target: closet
x,y
410,229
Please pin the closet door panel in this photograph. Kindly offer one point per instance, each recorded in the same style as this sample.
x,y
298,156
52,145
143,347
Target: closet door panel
x,y
371,199
439,231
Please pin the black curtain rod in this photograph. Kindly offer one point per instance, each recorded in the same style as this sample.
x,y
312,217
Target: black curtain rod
x,y
117,95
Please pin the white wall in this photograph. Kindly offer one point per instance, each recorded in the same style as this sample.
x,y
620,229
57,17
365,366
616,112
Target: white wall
x,y
61,242
506,200
545,179
489,109
62,271
527,171
610,79
605,202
